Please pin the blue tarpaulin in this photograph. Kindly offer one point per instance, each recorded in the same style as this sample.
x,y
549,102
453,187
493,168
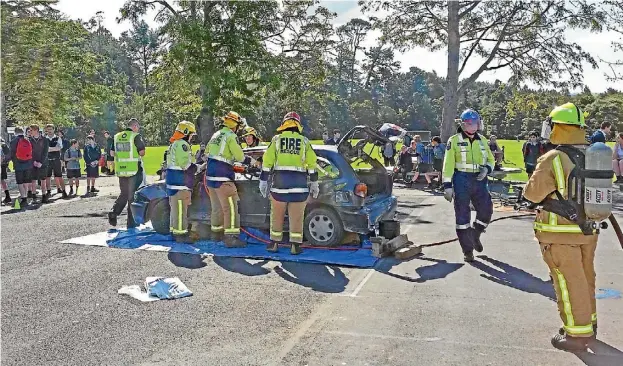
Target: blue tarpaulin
x,y
148,239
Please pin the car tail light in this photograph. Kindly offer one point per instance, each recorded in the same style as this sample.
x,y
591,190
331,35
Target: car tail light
x,y
361,190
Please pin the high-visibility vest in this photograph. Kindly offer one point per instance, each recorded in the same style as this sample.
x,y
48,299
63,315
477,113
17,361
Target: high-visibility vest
x,y
179,158
127,158
463,156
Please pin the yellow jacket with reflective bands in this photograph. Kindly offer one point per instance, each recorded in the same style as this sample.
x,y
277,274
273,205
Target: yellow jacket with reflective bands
x,y
465,155
552,173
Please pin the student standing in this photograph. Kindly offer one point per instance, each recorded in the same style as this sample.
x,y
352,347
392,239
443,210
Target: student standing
x,y
21,155
39,162
92,154
72,161
110,160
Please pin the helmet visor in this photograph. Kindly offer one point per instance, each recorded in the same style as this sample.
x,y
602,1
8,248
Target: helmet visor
x,y
470,126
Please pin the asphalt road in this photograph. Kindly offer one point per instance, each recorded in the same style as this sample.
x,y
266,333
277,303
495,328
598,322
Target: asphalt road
x,y
60,304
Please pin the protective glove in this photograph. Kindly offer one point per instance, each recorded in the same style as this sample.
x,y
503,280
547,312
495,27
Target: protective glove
x,y
448,193
264,188
483,173
314,189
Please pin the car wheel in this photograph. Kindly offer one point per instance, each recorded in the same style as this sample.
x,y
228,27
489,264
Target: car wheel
x,y
323,227
389,229
159,212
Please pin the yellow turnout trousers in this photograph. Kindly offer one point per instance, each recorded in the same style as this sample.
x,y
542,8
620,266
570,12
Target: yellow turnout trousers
x,y
296,214
224,201
573,271
179,203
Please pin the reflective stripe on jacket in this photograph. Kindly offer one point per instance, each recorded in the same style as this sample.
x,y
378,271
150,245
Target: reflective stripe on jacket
x,y
223,151
179,158
127,158
552,173
292,159
465,155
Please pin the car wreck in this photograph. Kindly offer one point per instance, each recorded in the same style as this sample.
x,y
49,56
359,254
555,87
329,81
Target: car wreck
x,y
355,195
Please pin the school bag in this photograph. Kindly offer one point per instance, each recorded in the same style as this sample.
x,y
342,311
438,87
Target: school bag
x,y
24,149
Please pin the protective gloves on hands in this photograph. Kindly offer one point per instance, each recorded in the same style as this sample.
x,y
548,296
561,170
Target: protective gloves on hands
x,y
448,193
264,188
314,189
483,173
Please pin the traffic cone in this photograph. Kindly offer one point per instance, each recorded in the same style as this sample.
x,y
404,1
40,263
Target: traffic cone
x,y
16,205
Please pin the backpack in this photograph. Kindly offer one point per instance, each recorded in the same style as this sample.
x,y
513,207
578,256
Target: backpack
x,y
24,149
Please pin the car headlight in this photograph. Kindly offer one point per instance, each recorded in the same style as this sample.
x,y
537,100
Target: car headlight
x,y
342,197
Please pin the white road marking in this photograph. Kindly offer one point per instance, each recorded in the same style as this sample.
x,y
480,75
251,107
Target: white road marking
x,y
413,215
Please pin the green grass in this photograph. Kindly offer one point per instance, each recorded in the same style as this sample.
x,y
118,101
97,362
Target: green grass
x,y
513,157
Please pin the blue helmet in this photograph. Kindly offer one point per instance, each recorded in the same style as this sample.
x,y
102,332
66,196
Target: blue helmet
x,y
470,121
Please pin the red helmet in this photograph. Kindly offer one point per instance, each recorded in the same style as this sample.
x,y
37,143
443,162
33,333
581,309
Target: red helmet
x,y
292,115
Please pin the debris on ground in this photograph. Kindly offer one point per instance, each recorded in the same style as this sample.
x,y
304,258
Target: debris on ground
x,y
382,247
157,288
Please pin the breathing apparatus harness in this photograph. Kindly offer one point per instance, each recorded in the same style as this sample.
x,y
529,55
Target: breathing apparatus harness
x,y
572,208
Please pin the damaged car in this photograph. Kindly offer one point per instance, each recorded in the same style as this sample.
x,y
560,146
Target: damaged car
x,y
355,195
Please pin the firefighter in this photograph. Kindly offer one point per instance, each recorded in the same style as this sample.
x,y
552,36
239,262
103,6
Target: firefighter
x,y
466,164
292,161
250,137
568,248
180,180
223,152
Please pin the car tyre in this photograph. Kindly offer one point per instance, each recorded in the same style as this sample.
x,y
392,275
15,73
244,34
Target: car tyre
x,y
322,227
159,214
389,229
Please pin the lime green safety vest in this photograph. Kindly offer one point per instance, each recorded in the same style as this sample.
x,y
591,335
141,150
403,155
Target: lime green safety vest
x,y
126,154
179,156
465,156
224,147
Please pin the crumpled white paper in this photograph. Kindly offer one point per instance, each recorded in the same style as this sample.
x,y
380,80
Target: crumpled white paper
x,y
157,288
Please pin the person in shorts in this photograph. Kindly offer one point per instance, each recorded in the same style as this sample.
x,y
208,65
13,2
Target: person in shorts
x,y
418,149
6,157
55,158
439,150
39,162
21,155
72,161
64,148
92,154
110,160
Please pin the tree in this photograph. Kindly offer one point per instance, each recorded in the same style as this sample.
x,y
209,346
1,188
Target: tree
x,y
526,37
614,11
142,44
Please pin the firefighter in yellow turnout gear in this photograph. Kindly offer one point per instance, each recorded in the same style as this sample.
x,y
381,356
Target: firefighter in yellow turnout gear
x,y
180,179
568,252
292,161
223,151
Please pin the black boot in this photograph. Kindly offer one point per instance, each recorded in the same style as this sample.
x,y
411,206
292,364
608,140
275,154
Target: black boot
x,y
216,236
273,247
468,257
476,239
112,218
295,249
466,240
7,197
568,343
64,194
232,241
45,198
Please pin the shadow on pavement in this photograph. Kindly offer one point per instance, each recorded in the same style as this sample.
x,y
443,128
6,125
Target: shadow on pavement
x,y
440,269
314,276
190,261
242,266
603,355
514,277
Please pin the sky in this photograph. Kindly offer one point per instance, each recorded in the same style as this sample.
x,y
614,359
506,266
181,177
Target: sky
x,y
597,44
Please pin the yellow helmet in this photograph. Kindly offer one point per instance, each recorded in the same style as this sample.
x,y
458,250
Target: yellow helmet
x,y
185,127
292,119
249,131
232,120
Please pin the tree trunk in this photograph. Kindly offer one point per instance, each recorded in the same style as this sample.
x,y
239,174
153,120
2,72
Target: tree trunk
x,y
451,97
205,121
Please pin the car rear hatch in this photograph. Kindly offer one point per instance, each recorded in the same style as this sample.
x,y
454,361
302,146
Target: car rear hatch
x,y
362,146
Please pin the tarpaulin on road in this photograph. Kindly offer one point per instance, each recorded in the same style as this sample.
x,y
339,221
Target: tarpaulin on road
x,y
144,238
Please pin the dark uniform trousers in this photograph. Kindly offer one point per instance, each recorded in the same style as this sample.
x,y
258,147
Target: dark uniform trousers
x,y
127,186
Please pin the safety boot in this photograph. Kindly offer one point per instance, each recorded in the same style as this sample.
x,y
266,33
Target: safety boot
x,y
216,236
180,238
295,249
232,241
192,236
476,239
468,257
273,247
568,343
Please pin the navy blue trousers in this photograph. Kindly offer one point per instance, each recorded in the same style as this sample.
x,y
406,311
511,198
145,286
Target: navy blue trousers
x,y
467,189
